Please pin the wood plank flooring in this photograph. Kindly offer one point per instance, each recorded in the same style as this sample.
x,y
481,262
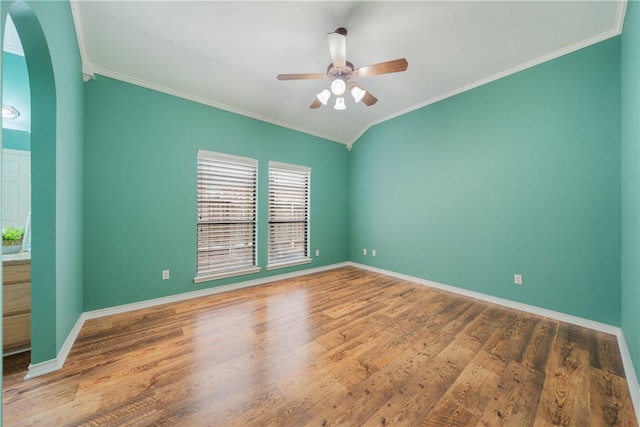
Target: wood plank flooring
x,y
343,347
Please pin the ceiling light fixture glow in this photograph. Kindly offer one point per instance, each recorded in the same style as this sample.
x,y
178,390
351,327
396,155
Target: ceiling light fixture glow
x,y
358,93
340,105
324,96
9,112
338,86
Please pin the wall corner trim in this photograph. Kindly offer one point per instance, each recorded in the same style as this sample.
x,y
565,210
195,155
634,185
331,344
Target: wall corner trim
x,y
632,381
37,369
77,22
48,366
621,12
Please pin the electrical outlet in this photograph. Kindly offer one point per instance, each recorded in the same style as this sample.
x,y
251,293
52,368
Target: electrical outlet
x,y
317,252
373,252
517,279
364,251
165,274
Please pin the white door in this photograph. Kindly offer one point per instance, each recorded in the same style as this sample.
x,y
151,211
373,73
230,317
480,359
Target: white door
x,y
16,187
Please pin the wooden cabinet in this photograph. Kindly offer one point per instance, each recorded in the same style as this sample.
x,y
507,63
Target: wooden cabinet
x,y
16,294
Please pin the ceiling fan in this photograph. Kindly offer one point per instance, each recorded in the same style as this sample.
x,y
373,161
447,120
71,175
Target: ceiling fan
x,y
341,72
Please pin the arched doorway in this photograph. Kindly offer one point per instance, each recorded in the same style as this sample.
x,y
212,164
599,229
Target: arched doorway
x,y
16,194
43,177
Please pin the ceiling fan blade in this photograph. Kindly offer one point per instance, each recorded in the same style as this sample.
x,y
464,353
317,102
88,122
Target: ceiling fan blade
x,y
316,104
383,68
301,76
369,99
338,48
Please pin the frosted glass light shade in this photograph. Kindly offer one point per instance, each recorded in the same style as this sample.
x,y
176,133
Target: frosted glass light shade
x,y
358,93
340,105
324,96
338,86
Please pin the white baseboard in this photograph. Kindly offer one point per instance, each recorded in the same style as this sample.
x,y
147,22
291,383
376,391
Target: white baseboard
x,y
632,380
18,351
602,327
57,363
42,368
629,373
94,314
37,369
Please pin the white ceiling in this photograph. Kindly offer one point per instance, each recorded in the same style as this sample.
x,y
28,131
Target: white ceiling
x,y
227,54
12,42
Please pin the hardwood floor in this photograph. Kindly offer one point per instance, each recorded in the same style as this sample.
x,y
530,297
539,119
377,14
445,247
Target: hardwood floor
x,y
346,347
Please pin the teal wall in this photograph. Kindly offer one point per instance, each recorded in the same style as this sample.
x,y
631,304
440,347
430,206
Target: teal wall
x,y
518,176
51,52
140,189
15,82
57,21
630,53
16,139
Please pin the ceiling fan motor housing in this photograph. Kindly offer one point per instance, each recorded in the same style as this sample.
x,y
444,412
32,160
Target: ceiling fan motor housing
x,y
340,73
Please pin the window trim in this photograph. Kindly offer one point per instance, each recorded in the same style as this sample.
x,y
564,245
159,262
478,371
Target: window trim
x,y
299,261
226,274
246,161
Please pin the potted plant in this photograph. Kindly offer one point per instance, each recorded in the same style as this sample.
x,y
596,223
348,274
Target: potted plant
x,y
12,239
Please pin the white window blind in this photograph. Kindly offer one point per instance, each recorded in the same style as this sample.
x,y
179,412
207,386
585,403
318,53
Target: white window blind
x,y
227,189
289,195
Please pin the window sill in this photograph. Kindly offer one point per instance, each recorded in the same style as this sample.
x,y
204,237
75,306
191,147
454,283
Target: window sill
x,y
225,274
289,263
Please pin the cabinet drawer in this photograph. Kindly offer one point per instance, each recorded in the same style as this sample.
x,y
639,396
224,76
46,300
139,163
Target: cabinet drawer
x,y
16,273
16,332
16,299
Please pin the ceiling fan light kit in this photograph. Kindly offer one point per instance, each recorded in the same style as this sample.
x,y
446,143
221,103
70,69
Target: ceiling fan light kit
x,y
324,96
338,86
340,71
357,93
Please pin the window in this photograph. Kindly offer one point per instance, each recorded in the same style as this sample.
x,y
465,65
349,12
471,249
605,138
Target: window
x,y
289,188
227,188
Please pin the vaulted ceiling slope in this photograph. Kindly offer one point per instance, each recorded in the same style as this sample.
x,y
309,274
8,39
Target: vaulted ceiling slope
x,y
228,54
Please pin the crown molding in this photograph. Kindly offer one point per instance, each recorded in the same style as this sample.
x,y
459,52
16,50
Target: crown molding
x,y
617,30
200,100
89,70
621,12
87,66
11,48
